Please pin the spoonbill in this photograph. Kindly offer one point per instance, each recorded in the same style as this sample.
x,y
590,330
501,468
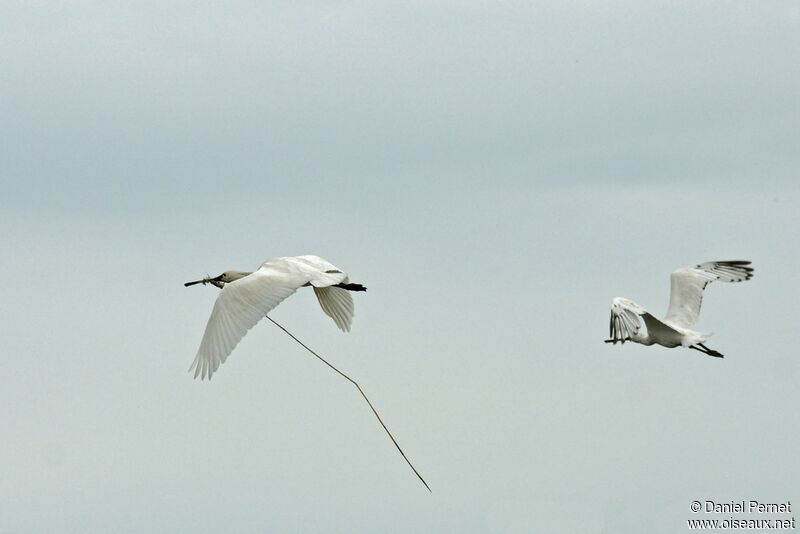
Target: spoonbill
x,y
686,296
246,297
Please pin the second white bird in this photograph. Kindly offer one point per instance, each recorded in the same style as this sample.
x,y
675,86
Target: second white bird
x,y
686,296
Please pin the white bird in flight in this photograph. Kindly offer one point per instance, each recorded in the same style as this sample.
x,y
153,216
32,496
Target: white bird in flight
x,y
248,297
686,296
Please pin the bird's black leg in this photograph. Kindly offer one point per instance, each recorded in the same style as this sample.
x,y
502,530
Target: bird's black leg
x,y
351,287
705,350
712,352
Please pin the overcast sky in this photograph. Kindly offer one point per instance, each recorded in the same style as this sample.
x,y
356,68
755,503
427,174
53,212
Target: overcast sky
x,y
494,173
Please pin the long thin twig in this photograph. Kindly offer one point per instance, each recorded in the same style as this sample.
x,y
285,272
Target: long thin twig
x,y
326,362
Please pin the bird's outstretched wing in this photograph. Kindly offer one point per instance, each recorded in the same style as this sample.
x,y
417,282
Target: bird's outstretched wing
x,y
625,320
239,306
687,285
337,303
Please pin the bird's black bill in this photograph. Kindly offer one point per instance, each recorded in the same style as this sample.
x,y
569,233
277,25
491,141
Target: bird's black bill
x,y
208,280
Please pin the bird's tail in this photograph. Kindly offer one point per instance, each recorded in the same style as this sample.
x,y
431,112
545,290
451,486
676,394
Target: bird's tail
x,y
694,338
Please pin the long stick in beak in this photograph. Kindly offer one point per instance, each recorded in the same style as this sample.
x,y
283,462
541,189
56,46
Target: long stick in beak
x,y
374,411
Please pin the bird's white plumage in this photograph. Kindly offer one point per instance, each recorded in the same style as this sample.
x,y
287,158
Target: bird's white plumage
x,y
245,301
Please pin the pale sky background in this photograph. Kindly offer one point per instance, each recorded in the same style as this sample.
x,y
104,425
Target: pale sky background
x,y
495,173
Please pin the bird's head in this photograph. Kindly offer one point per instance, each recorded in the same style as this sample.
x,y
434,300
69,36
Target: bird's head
x,y
219,281
230,276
